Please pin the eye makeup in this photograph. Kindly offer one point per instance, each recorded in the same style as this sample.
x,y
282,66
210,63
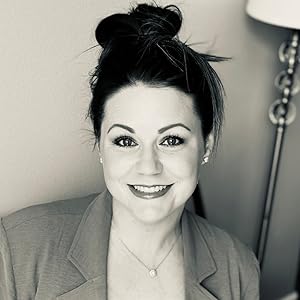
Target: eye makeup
x,y
172,140
124,141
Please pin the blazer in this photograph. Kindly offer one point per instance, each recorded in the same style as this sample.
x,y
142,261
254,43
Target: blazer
x,y
58,250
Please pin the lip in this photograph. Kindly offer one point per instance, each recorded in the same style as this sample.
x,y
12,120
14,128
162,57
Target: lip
x,y
149,195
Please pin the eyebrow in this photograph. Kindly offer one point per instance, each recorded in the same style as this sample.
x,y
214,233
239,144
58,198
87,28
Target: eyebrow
x,y
171,126
161,130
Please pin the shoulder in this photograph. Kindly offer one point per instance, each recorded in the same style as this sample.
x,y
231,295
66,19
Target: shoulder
x,y
41,224
35,240
39,212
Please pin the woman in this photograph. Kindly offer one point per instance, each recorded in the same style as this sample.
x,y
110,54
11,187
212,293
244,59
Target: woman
x,y
157,112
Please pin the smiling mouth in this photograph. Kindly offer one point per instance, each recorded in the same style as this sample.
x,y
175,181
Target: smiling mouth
x,y
149,192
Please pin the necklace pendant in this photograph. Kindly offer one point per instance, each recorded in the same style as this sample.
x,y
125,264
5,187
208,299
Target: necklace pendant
x,y
152,273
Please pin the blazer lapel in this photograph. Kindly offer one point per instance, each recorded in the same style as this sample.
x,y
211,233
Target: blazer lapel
x,y
89,250
93,289
196,291
198,261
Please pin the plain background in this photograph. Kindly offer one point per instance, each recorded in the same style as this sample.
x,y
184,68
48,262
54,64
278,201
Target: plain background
x,y
46,143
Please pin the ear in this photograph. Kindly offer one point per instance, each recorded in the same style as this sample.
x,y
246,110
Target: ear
x,y
209,145
99,153
208,148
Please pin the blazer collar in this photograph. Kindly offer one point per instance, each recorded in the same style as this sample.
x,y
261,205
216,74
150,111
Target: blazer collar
x,y
198,260
89,252
89,249
199,263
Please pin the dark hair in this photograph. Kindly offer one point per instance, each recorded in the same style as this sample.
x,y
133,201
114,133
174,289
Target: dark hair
x,y
143,46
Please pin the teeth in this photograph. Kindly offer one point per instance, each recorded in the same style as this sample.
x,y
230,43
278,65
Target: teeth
x,y
153,189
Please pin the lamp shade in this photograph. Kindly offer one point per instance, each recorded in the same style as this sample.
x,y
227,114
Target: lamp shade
x,y
283,13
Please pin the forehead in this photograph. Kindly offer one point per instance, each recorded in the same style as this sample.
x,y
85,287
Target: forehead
x,y
142,105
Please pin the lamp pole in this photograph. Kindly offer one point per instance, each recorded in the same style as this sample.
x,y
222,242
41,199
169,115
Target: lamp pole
x,y
282,112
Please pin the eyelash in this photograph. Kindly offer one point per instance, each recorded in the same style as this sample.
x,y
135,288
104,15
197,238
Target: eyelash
x,y
176,137
120,138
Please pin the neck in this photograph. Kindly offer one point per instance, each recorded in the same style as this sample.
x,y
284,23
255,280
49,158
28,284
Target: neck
x,y
148,241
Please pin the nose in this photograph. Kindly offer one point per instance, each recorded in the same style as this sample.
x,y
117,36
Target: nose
x,y
148,162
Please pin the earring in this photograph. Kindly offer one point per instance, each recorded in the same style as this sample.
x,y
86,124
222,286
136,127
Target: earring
x,y
204,160
100,158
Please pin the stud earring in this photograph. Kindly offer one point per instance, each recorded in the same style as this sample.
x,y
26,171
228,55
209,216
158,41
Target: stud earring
x,y
100,158
204,160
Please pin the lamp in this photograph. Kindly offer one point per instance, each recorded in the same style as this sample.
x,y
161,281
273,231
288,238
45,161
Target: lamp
x,y
283,13
282,111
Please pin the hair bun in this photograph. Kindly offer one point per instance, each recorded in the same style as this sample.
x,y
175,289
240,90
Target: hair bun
x,y
116,25
158,20
144,19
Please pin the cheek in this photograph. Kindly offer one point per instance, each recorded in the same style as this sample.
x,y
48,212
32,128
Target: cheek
x,y
116,164
184,164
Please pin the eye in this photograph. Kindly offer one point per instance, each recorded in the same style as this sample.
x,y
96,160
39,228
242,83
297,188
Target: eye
x,y
172,141
125,141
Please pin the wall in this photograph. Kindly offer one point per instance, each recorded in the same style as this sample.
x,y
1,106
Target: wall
x,y
46,143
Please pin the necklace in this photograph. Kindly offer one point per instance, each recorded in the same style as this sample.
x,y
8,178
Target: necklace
x,y
152,271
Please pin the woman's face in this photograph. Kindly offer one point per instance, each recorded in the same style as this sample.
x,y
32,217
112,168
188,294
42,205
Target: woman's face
x,y
151,145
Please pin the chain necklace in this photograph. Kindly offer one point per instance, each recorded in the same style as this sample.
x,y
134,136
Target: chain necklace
x,y
152,271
